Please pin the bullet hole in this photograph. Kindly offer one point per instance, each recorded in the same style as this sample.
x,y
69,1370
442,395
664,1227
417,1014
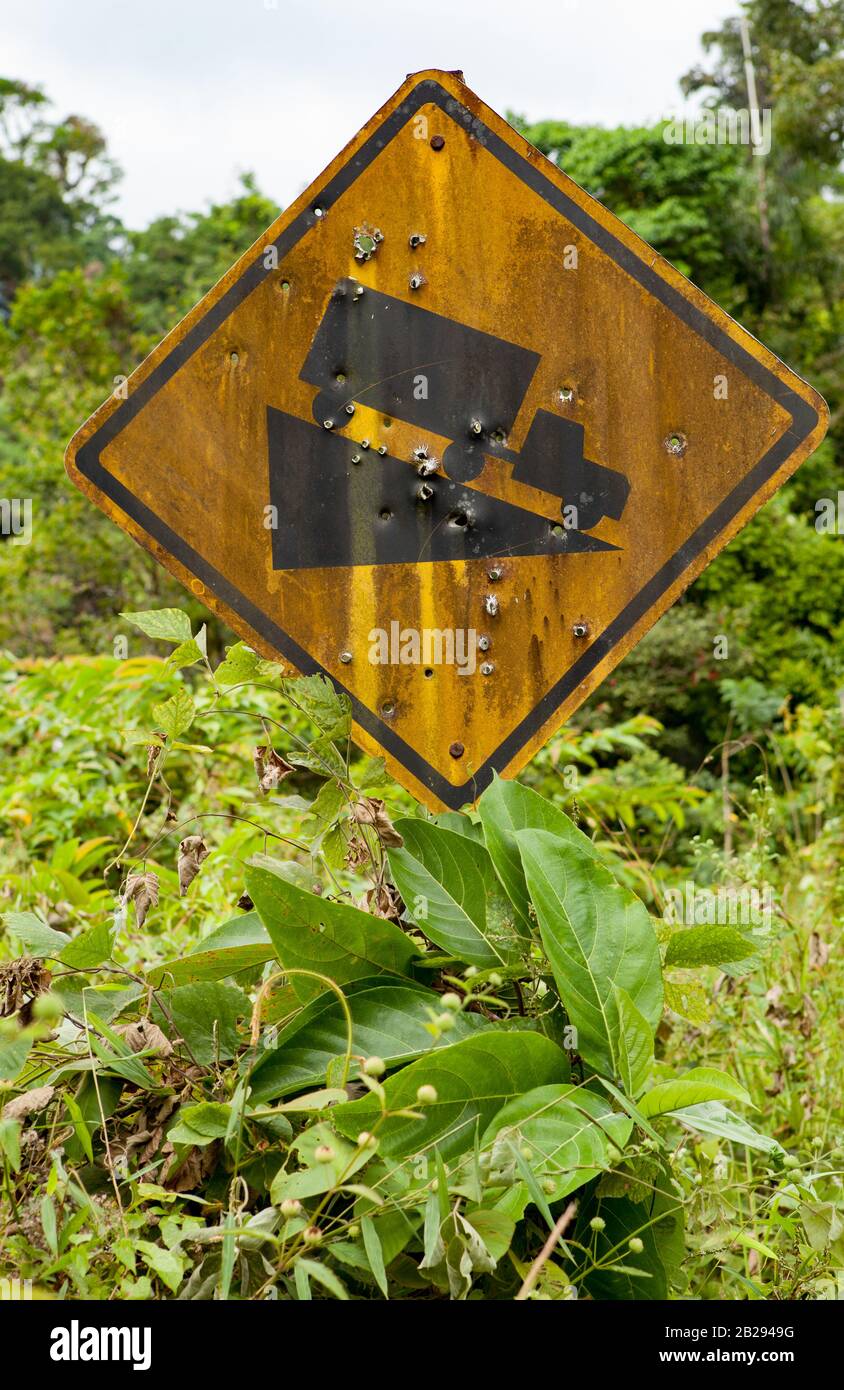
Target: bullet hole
x,y
487,668
458,519
475,427
387,422
457,750
345,657
349,408
484,644
494,573
491,604
356,458
385,514
428,673
328,423
284,286
234,358
437,143
416,239
388,709
382,449
339,377
676,444
498,436
580,630
366,242
364,443
424,492
566,394
319,212
556,529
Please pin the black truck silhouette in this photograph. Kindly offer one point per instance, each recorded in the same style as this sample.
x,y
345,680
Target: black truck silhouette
x,y
458,382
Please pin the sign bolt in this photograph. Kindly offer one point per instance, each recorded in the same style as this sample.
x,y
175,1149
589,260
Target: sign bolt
x,y
456,750
345,657
491,604
437,143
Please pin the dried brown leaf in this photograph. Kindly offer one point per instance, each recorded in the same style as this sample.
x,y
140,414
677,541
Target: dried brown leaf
x,y
142,889
270,768
192,851
36,1099
369,810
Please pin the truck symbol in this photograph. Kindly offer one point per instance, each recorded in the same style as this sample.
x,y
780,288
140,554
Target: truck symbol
x,y
458,382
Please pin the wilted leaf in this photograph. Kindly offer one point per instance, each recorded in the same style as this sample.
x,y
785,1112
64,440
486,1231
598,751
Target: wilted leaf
x,y
370,811
270,768
192,851
142,890
36,1099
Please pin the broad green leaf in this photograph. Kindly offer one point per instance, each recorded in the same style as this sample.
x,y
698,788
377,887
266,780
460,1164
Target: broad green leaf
x,y
318,1176
460,824
200,1124
166,624
242,664
205,1015
689,999
598,937
169,1265
237,945
89,949
34,936
175,715
313,1269
388,1021
508,807
648,1275
712,1117
450,891
473,1079
692,1088
316,697
707,945
568,1131
336,940
374,1253
186,654
635,1043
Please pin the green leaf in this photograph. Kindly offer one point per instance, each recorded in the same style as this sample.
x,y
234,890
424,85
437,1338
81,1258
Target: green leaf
x,y
89,949
450,891
317,1177
508,807
323,1275
473,1079
312,933
186,654
205,1015
175,715
374,1253
242,664
167,624
201,1124
568,1130
316,697
13,1055
692,1088
658,1223
169,1265
34,936
712,1117
10,1142
237,945
689,999
388,1021
707,945
635,1043
598,937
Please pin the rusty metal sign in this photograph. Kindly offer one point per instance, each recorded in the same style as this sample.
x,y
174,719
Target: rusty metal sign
x,y
449,433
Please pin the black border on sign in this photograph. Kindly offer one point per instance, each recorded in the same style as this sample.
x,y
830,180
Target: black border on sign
x,y
804,418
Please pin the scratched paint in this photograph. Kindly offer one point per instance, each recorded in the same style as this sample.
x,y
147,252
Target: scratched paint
x,y
623,354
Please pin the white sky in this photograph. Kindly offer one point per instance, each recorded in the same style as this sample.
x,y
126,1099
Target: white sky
x,y
191,92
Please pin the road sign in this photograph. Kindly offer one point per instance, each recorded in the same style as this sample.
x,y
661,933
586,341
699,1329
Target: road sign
x,y
449,433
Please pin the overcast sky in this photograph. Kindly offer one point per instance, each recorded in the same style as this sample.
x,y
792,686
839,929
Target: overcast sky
x,y
191,92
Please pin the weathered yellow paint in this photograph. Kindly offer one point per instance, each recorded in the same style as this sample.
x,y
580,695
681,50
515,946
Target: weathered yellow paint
x,y
494,258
